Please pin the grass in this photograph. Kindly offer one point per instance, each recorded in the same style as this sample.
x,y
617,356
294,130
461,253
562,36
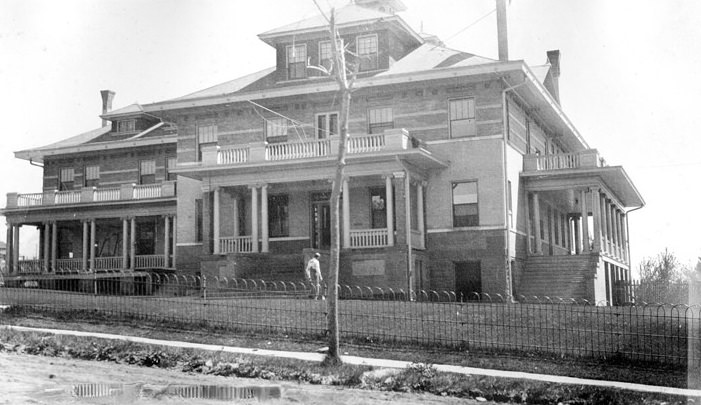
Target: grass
x,y
418,377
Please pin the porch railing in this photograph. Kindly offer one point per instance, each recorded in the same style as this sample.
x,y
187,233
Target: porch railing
x,y
562,161
366,144
147,191
108,263
149,261
368,238
236,244
67,197
30,266
233,155
30,200
297,150
69,265
106,194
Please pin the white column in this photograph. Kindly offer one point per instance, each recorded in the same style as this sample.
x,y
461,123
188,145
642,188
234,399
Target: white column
x,y
346,215
175,240
389,208
15,247
626,245
596,216
132,244
86,247
125,243
420,215
47,259
265,226
609,226
54,245
236,216
617,218
407,209
215,221
254,218
93,232
536,211
602,214
166,242
585,221
529,244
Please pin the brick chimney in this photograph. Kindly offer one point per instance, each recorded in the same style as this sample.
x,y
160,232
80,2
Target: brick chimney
x,y
502,32
107,97
554,74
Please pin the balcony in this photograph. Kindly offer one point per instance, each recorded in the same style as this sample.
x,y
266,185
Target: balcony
x,y
588,159
126,192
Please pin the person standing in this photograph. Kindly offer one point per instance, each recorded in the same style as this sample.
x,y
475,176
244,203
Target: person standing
x,y
313,274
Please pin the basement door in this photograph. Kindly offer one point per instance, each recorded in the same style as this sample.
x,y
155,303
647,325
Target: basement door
x,y
468,280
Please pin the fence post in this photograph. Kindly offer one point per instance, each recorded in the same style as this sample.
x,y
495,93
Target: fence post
x,y
204,287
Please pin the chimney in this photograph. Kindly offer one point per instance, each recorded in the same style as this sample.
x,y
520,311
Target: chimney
x,y
554,61
502,34
107,97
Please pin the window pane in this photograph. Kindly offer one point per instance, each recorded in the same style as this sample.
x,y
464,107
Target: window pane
x,y
278,216
67,175
333,124
207,133
148,167
465,204
321,129
367,52
276,127
92,172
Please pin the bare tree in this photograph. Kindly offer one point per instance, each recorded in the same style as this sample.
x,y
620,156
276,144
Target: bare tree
x,y
340,71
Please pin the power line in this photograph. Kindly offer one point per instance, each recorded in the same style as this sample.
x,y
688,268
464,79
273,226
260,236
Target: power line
x,y
470,25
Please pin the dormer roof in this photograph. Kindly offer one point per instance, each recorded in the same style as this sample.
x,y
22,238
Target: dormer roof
x,y
132,109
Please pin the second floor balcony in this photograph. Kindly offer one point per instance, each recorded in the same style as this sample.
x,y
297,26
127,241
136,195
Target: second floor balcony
x,y
125,192
587,159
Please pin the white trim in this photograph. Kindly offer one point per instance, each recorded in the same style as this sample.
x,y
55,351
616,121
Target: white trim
x,y
39,154
188,244
289,238
464,139
467,229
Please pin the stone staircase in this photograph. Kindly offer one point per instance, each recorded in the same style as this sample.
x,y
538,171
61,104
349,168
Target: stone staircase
x,y
559,276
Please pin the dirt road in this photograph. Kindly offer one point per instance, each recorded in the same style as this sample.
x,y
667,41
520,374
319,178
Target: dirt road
x,y
27,379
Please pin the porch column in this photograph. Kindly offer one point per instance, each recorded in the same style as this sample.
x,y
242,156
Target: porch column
x,y
47,236
9,260
407,215
420,214
626,245
166,242
175,240
15,247
577,237
609,227
621,241
265,225
215,221
54,245
616,231
602,214
236,216
86,241
254,218
585,221
596,216
389,210
125,243
529,244
346,215
132,244
536,211
93,231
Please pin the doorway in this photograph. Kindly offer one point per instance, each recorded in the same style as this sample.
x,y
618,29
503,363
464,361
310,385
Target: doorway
x,y
468,280
321,221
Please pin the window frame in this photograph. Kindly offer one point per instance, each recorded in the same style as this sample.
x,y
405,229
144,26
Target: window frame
x,y
325,133
378,217
91,181
168,168
472,220
199,220
380,126
269,123
472,126
278,221
126,126
330,58
66,185
288,64
143,179
211,139
375,62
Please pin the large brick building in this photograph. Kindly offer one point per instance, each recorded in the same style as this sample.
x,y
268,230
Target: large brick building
x,y
463,173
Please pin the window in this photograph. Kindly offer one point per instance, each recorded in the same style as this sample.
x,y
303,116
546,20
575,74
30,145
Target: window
x,y
326,125
278,215
380,119
326,53
206,136
126,126
296,61
378,208
276,127
170,165
147,172
367,52
198,220
92,176
462,117
465,212
66,178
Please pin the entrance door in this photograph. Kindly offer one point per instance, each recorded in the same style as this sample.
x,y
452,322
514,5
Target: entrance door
x,y
321,225
468,280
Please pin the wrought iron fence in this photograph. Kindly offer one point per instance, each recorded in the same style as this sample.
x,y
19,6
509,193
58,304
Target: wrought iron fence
x,y
639,292
659,334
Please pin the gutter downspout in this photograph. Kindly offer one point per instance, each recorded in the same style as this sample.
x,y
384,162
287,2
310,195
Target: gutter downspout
x,y
507,227
31,162
630,265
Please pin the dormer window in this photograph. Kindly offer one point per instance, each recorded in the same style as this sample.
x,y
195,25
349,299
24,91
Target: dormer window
x,y
126,126
367,52
326,53
296,61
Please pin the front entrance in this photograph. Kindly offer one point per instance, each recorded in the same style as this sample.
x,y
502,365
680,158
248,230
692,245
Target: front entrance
x,y
468,280
321,221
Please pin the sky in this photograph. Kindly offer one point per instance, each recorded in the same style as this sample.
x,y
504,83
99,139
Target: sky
x,y
629,77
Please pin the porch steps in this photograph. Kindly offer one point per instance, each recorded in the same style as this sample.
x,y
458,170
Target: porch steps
x,y
558,276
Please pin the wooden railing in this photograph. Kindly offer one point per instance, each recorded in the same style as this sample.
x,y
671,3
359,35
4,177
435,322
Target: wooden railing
x,y
366,144
563,161
297,150
30,200
233,155
108,263
31,266
142,191
149,261
69,265
368,238
67,197
236,244
106,194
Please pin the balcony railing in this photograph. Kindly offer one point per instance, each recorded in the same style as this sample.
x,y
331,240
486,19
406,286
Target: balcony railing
x,y
368,238
238,244
149,261
108,263
563,161
69,265
31,266
390,140
92,194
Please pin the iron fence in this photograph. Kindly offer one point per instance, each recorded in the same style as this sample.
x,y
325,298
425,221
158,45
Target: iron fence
x,y
631,292
655,333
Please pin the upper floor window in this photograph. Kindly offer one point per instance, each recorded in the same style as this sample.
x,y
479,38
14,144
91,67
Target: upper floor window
x,y
206,136
278,214
276,127
126,126
147,172
66,178
296,61
92,176
462,117
170,165
326,125
326,58
367,52
380,119
465,205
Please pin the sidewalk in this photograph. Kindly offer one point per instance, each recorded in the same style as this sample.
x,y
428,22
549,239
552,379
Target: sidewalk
x,y
692,393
